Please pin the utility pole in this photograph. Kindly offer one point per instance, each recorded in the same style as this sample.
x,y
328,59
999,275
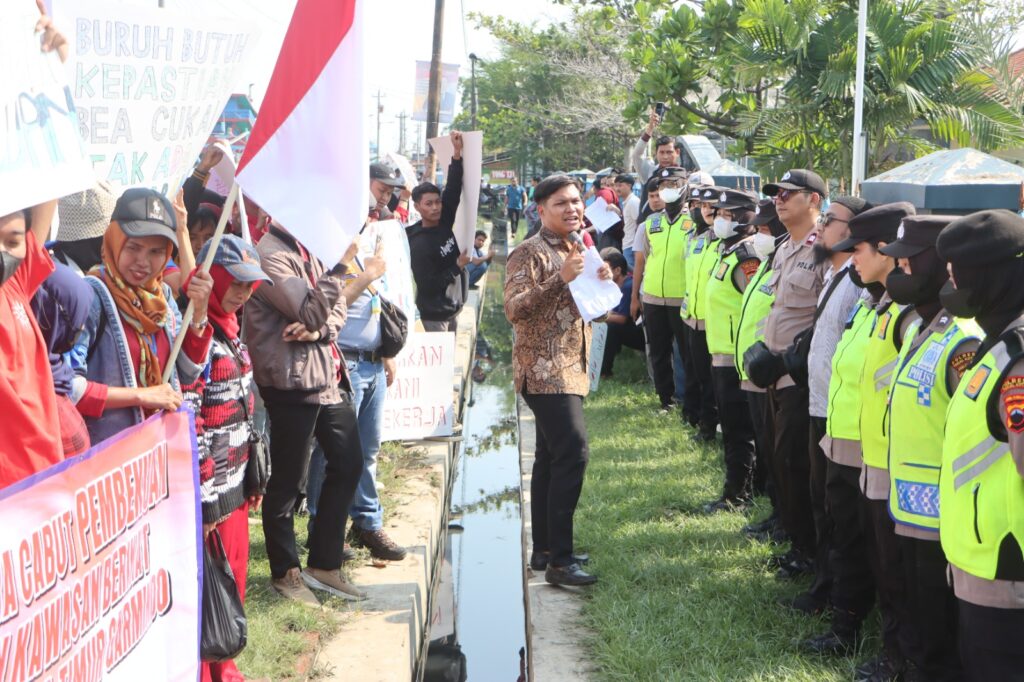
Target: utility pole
x,y
859,148
472,80
434,93
380,109
401,133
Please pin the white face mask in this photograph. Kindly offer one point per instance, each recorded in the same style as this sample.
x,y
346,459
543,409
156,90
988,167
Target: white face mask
x,y
763,245
724,228
670,195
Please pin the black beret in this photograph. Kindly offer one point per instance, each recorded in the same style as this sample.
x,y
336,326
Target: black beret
x,y
917,233
797,179
982,238
734,198
765,212
878,224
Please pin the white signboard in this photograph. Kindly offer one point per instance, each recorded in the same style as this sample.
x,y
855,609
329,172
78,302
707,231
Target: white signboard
x,y
397,283
421,401
150,84
597,344
472,167
42,156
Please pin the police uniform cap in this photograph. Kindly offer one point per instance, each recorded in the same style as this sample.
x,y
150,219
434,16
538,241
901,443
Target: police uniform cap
x,y
916,234
764,212
735,198
982,238
797,179
670,173
879,224
709,195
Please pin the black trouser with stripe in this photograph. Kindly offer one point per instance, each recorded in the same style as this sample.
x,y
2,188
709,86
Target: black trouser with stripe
x,y
737,433
700,358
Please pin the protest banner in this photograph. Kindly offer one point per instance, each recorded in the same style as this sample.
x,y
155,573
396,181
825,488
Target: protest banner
x,y
397,284
99,562
472,168
421,401
42,155
449,92
598,340
150,84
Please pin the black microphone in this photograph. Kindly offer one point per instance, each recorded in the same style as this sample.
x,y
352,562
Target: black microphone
x,y
576,239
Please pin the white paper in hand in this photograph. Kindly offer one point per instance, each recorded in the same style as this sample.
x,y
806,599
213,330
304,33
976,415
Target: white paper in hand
x,y
600,216
594,296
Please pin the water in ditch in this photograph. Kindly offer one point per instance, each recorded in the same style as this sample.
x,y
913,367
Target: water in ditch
x,y
478,620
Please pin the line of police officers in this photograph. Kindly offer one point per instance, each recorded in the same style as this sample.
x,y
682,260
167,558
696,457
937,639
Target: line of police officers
x,y
864,363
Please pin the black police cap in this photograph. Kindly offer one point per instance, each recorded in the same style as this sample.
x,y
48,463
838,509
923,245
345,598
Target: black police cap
x,y
797,179
670,173
982,238
764,213
916,234
854,205
734,198
709,195
145,212
879,224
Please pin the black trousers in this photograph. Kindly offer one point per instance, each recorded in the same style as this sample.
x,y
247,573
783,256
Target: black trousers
x,y
691,382
852,595
292,428
791,466
737,433
898,637
513,219
932,608
629,335
663,324
823,524
559,464
700,359
764,443
992,643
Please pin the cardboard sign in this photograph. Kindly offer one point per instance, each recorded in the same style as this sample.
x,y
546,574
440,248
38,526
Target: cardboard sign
x,y
421,403
598,341
397,283
472,167
100,562
42,156
150,85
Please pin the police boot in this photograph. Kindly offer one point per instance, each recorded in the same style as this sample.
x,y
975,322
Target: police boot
x,y
883,668
840,640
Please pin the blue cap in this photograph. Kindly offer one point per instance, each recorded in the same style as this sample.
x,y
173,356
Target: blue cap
x,y
238,258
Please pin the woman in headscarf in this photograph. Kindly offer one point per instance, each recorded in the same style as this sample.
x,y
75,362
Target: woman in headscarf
x,y
61,307
223,401
121,355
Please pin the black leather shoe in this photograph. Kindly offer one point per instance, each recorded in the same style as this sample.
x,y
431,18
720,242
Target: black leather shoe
x,y
805,603
831,643
539,560
761,526
795,568
570,576
882,668
726,504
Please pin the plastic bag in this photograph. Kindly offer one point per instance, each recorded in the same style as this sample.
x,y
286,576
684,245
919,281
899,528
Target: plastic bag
x,y
224,631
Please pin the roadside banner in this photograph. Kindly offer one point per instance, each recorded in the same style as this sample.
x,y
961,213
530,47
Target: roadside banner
x,y
421,401
100,562
150,84
42,155
449,92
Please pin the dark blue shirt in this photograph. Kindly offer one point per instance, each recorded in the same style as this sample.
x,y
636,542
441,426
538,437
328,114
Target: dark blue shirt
x,y
627,294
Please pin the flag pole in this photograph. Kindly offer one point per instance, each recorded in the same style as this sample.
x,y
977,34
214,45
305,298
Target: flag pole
x,y
859,148
186,319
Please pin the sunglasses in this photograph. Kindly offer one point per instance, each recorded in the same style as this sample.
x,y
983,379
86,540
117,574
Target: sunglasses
x,y
826,219
784,196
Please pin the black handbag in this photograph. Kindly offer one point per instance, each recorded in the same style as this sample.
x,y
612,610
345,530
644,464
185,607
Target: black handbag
x,y
224,627
394,329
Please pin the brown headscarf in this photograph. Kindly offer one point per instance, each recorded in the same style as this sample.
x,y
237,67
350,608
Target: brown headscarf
x,y
142,307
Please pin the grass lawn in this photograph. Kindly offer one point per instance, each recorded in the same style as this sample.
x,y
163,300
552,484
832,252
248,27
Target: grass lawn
x,y
681,596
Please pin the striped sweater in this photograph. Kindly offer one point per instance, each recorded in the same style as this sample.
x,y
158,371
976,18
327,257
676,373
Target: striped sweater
x,y
222,428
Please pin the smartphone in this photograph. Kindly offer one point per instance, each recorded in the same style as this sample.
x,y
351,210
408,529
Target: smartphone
x,y
660,109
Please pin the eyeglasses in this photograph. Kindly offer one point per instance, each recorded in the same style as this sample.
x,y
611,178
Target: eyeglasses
x,y
783,196
826,219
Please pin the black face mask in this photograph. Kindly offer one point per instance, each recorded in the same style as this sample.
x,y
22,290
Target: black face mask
x,y
876,289
393,202
908,289
957,301
698,218
8,266
821,253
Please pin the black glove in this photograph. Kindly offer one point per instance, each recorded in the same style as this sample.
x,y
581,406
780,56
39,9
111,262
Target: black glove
x,y
763,366
796,356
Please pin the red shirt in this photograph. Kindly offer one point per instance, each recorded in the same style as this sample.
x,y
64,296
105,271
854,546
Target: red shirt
x,y
29,429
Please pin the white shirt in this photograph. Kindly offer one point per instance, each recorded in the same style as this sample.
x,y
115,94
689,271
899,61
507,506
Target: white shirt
x,y
630,213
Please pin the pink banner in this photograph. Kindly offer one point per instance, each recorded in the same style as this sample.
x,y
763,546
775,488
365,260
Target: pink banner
x,y
100,563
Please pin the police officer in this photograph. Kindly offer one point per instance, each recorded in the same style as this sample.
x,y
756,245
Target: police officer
x,y
737,262
658,283
797,279
757,303
981,484
869,231
936,352
701,255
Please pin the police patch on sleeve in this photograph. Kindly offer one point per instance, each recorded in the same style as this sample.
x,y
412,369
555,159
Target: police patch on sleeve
x,y
750,267
1013,405
959,362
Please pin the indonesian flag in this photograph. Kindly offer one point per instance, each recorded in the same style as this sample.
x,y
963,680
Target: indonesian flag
x,y
307,159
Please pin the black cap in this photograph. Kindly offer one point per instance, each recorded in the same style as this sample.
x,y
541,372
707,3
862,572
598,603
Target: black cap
x,y
734,198
879,224
709,195
982,238
670,173
764,212
917,233
854,205
797,179
386,174
145,212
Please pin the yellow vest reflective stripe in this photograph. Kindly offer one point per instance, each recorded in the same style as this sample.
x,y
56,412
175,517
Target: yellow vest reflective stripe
x,y
663,266
847,367
701,256
982,493
754,309
880,357
917,419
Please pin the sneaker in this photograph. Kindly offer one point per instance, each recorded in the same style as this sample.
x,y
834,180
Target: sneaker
x,y
666,409
332,582
291,587
379,544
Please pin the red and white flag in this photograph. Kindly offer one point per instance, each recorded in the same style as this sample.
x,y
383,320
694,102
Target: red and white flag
x,y
307,159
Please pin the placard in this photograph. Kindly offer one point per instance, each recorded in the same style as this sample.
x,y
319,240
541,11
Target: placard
x,y
598,341
397,283
421,401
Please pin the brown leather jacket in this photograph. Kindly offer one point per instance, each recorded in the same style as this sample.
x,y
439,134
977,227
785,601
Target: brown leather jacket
x,y
292,371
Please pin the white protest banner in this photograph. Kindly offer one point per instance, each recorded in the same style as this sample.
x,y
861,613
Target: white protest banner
x,y
594,296
150,84
397,283
421,401
601,216
472,167
598,341
41,152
